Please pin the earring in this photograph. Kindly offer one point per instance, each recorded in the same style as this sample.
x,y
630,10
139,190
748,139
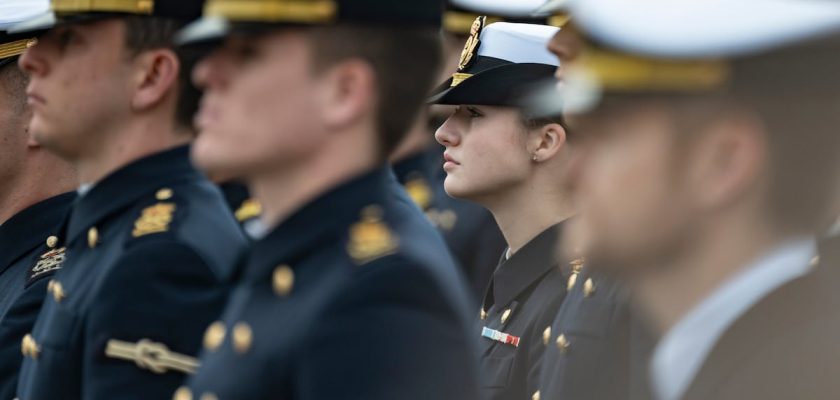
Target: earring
x,y
534,158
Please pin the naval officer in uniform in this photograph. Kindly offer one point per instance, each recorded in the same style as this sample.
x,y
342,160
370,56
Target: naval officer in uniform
x,y
352,293
150,244
498,156
35,195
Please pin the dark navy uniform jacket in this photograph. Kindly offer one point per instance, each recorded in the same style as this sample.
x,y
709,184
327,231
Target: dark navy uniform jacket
x,y
30,253
588,351
150,252
352,297
470,230
523,298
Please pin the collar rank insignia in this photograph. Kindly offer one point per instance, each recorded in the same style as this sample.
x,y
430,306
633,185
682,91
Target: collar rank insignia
x,y
420,192
249,209
502,337
470,52
370,238
154,219
47,263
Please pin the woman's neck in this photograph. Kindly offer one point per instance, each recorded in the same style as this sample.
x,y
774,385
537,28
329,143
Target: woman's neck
x,y
523,213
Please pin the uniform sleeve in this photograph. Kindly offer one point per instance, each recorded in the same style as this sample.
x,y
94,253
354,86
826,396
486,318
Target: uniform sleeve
x,y
390,335
162,292
18,322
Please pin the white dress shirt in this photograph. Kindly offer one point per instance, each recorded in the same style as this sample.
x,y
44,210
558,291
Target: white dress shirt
x,y
683,350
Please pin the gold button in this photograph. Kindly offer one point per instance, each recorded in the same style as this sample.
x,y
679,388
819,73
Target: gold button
x,y
242,337
505,315
588,288
29,347
483,314
209,396
546,335
52,241
57,290
562,343
93,237
536,395
284,280
214,336
183,393
164,194
24,345
572,280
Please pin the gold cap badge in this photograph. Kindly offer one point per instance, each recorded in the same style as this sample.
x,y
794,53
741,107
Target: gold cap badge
x,y
471,46
470,52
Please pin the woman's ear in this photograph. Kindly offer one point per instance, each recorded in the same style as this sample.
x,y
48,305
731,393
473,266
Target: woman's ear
x,y
546,141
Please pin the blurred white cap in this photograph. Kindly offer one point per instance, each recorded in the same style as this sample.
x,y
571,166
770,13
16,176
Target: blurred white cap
x,y
502,8
518,43
703,28
13,12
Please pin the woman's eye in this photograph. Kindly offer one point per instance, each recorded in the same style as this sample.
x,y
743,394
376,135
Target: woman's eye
x,y
474,113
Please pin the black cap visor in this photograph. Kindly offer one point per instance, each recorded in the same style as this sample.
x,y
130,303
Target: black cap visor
x,y
503,85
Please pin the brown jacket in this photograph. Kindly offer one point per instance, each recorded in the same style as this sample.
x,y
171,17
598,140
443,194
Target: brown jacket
x,y
786,347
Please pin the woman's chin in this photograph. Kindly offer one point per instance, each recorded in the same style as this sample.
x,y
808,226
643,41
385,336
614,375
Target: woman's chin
x,y
458,189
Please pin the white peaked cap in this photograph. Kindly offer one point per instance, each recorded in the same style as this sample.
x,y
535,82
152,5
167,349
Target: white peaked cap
x,y
704,28
551,7
13,12
501,8
518,43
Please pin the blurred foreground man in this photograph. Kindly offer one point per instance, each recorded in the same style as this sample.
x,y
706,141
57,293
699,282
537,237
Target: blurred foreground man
x,y
711,162
34,201
150,244
352,293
